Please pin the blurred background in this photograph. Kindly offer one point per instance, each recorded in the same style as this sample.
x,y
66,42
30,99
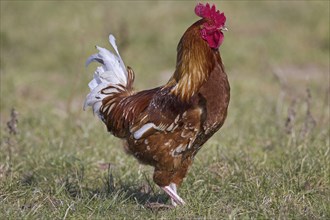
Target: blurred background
x,y
276,55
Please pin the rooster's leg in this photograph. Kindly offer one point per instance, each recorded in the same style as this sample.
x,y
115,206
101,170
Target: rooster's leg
x,y
171,191
173,187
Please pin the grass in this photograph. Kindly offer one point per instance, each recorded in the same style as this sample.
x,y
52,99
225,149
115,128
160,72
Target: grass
x,y
269,161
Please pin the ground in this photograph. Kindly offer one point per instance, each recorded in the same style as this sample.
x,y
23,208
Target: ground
x,y
270,160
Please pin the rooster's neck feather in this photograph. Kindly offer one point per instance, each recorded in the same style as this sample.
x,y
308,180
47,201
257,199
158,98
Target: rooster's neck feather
x,y
195,62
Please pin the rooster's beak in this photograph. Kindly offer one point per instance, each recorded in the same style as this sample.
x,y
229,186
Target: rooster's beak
x,y
223,28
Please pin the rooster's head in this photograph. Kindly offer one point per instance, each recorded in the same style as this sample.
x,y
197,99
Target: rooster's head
x,y
211,29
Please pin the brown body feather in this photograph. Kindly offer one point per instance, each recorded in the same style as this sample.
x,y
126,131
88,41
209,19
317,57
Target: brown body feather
x,y
184,113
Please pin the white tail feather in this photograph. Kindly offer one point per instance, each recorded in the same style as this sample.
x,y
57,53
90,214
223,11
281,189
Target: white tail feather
x,y
112,41
112,72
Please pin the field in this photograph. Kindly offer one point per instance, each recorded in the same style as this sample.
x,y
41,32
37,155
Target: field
x,y
269,161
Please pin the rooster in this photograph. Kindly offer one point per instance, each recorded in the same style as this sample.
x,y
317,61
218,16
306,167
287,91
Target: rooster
x,y
166,126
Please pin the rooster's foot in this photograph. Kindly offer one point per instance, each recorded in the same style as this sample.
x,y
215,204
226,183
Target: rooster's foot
x,y
175,198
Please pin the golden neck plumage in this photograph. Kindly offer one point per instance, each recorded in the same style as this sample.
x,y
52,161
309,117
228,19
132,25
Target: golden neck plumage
x,y
195,62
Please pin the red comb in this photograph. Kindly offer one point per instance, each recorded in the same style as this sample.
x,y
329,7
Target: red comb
x,y
205,11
